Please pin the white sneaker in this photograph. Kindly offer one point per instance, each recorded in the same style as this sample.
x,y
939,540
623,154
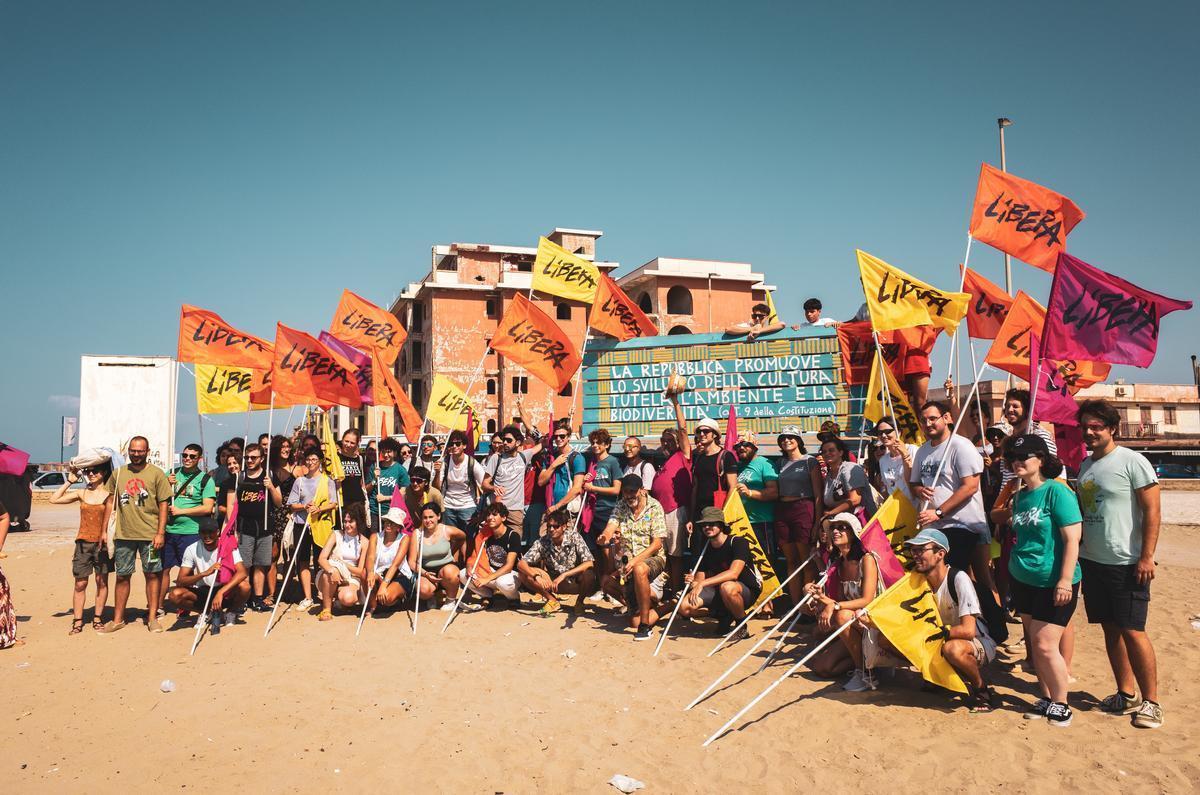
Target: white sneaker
x,y
1038,710
448,607
597,596
305,605
859,681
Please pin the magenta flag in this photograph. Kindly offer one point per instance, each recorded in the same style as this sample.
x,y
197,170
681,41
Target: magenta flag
x,y
731,429
359,359
1069,440
1052,401
226,544
875,540
1097,317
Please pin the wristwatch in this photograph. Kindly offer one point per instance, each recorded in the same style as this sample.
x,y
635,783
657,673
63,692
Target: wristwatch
x,y
939,513
837,606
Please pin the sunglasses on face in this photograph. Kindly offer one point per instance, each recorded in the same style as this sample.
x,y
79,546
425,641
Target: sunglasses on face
x,y
839,528
561,436
1018,457
914,551
456,443
553,526
92,471
190,455
427,444
509,440
252,458
884,431
757,315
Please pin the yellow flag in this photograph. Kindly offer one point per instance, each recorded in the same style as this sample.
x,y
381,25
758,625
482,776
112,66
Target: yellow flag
x,y
329,446
221,389
448,406
907,423
898,517
739,525
897,300
907,615
772,315
557,271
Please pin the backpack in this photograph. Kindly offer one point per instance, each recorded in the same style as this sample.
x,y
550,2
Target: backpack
x,y
994,619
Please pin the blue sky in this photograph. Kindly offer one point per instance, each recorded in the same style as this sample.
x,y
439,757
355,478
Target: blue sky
x,y
257,158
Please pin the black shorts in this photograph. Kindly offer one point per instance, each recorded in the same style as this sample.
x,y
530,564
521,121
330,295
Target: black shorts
x,y
304,550
1038,603
962,546
1112,595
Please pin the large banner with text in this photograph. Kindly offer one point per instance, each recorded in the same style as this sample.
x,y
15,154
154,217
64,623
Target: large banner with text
x,y
787,378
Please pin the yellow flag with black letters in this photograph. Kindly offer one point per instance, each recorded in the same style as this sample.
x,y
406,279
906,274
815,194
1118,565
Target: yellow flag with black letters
x,y
448,406
907,615
739,525
907,424
221,389
557,271
897,300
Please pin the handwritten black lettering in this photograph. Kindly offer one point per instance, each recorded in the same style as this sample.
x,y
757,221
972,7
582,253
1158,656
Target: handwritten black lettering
x,y
212,334
1040,224
529,336
234,381
1112,310
623,315
901,288
300,360
569,272
358,322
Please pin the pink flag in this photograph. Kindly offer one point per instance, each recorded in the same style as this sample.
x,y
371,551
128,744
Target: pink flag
x,y
359,359
226,544
12,460
1052,401
731,429
875,540
1069,440
1095,316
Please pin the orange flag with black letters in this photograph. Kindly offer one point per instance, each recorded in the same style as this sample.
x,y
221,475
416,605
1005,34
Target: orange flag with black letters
x,y
529,337
205,338
1022,218
1010,350
988,308
305,371
614,313
386,391
360,323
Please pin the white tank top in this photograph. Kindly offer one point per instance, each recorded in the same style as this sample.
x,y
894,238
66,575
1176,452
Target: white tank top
x,y
385,554
348,547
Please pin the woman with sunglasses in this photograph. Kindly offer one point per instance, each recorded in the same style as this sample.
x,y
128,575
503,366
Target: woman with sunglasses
x,y
895,464
800,492
461,483
859,583
1044,568
91,546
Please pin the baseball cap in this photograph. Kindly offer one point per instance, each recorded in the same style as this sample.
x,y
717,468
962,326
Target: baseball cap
x,y
1027,445
631,481
929,536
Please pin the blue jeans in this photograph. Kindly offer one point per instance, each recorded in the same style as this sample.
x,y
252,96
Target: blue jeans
x,y
533,522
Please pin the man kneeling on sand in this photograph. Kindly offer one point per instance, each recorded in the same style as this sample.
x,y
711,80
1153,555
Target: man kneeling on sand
x,y
198,576
727,581
559,562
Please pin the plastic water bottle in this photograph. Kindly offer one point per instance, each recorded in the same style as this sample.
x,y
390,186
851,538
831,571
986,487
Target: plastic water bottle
x,y
167,686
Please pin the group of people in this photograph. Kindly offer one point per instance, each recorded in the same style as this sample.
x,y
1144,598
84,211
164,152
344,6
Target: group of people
x,y
539,516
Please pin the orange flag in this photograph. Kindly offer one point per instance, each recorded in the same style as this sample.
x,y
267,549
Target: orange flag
x,y
529,337
1022,218
305,371
988,308
204,338
360,323
1010,350
615,314
386,391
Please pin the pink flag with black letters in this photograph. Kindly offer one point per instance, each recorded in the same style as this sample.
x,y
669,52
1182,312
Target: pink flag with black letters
x,y
1052,400
1095,316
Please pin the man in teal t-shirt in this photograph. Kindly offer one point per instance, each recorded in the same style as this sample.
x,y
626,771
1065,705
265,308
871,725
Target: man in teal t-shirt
x,y
758,483
193,495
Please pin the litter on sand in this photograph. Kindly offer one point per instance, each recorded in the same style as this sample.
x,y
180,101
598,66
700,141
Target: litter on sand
x,y
625,783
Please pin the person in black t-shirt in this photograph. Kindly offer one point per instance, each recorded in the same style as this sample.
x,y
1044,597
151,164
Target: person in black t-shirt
x,y
501,549
255,536
357,475
714,469
727,581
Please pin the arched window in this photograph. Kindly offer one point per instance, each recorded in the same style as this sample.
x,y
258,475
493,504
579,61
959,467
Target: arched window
x,y
491,426
679,330
679,301
491,386
644,304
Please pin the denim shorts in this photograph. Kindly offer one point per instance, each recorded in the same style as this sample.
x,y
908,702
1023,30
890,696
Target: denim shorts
x,y
128,552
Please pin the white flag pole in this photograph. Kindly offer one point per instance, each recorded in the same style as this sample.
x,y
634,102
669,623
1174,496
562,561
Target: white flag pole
x,y
202,621
287,577
761,603
417,587
363,615
466,586
662,638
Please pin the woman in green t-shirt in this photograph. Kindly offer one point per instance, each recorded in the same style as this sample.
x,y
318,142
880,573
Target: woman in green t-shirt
x,y
1044,567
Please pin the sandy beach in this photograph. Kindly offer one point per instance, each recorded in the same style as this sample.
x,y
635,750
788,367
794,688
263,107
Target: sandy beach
x,y
495,706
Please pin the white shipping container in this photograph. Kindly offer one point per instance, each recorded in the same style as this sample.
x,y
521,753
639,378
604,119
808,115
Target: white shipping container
x,y
125,396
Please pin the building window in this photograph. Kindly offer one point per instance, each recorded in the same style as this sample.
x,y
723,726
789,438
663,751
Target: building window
x,y
520,385
491,307
679,330
416,352
568,390
1145,414
491,386
644,304
418,316
491,426
524,266
679,300
448,263
562,311
416,393
1169,416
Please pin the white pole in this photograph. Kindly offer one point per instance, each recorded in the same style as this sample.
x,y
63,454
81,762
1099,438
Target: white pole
x,y
961,281
466,586
417,587
778,590
786,631
662,638
778,682
985,422
202,622
942,464
794,611
363,615
287,577
887,395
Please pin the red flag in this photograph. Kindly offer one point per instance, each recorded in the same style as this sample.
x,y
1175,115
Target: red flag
x,y
1022,218
858,351
360,323
615,313
1093,315
305,371
204,338
531,338
386,391
383,427
1069,440
989,306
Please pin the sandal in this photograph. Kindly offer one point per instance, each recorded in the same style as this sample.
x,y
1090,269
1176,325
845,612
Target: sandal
x,y
76,626
97,622
551,607
981,701
325,615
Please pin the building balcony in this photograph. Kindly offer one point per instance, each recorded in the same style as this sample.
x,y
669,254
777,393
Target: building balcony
x,y
1139,430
